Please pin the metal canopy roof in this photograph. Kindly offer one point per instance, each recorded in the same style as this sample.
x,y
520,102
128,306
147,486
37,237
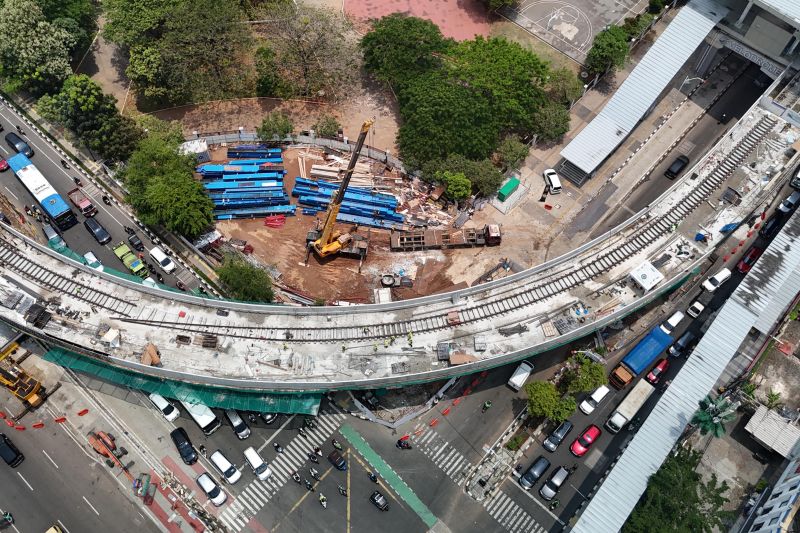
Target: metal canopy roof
x,y
789,9
639,91
617,496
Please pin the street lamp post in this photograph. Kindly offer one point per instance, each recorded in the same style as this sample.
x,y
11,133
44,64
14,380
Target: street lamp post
x,y
687,80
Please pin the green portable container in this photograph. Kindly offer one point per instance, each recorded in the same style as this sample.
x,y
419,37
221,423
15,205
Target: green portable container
x,y
508,189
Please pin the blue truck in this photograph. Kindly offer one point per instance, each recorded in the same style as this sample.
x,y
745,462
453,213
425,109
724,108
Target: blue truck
x,y
640,357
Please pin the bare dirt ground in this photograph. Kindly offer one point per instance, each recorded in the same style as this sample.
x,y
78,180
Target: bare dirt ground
x,y
780,372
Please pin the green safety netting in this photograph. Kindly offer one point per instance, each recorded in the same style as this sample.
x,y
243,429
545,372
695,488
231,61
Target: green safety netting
x,y
301,403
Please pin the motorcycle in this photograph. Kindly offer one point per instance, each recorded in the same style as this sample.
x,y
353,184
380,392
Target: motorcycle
x,y
403,445
129,230
313,457
372,477
342,491
486,405
303,432
314,473
64,164
106,199
250,416
336,444
309,423
278,447
159,277
182,287
318,451
308,485
323,500
28,211
296,477
77,181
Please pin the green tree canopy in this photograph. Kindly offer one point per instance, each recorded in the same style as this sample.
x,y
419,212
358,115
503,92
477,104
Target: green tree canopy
x,y
483,175
276,126
245,281
551,121
584,375
162,188
677,500
400,48
83,108
34,53
609,50
327,126
511,152
136,22
268,78
713,415
457,185
545,400
564,86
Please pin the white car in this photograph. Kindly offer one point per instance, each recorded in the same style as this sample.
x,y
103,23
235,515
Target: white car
x,y
166,407
257,464
552,181
669,325
212,490
695,309
225,467
93,261
712,283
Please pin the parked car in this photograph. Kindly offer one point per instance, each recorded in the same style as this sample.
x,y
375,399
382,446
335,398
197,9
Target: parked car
x,y
790,204
166,407
225,467
239,426
337,460
97,230
18,145
379,500
589,404
552,181
553,484
10,453
682,345
181,440
257,464
212,490
3,164
749,259
534,473
695,309
772,226
677,167
672,322
712,283
557,435
135,242
93,261
268,418
655,373
582,444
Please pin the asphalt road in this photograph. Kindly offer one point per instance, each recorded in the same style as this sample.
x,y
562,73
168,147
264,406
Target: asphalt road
x,y
78,238
733,104
60,482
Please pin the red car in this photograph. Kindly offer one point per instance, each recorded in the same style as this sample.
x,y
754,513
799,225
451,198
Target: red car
x,y
585,441
749,259
3,164
655,374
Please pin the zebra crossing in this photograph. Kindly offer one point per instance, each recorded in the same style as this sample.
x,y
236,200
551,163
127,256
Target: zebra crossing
x,y
510,515
442,453
257,493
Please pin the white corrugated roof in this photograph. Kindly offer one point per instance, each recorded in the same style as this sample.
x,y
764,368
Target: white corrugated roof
x,y
617,496
773,430
787,8
638,92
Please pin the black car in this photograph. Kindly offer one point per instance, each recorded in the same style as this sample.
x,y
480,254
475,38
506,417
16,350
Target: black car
x,y
337,460
136,242
555,438
268,418
379,500
772,226
536,471
676,167
18,145
97,230
10,454
184,446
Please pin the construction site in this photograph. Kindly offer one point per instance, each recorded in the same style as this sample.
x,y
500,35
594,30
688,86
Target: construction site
x,y
397,236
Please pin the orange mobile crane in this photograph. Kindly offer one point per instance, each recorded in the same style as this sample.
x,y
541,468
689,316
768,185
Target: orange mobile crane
x,y
15,379
329,241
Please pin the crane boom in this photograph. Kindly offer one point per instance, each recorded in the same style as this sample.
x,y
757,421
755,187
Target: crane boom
x,y
329,241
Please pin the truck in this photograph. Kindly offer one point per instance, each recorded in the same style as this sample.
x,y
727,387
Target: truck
x,y
133,263
628,408
640,357
82,202
520,376
434,239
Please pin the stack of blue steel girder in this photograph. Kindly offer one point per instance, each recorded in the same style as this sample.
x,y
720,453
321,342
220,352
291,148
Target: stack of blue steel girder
x,y
360,205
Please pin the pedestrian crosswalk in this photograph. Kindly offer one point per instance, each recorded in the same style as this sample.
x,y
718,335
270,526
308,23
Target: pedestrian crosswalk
x,y
256,494
510,515
442,453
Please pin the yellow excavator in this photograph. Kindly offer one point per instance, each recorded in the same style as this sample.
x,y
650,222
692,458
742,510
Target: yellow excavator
x,y
329,241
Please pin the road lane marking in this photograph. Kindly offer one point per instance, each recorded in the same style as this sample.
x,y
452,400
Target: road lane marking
x,y
11,193
391,477
267,441
60,523
90,505
25,481
51,459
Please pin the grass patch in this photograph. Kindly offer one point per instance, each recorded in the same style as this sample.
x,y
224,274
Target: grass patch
x,y
512,32
517,440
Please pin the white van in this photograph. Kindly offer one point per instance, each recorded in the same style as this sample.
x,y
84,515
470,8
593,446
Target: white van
x,y
257,464
161,259
225,467
203,417
169,411
520,376
239,426
589,404
552,181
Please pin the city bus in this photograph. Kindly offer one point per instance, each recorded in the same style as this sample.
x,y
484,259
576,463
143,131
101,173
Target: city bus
x,y
203,416
52,203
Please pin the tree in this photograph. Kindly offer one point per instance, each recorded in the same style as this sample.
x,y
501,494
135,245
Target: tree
x,y
457,185
609,50
584,375
545,400
245,281
677,500
483,175
655,6
511,152
551,121
135,22
313,53
276,126
83,108
497,4
564,86
773,399
400,48
34,54
634,26
268,79
713,415
327,126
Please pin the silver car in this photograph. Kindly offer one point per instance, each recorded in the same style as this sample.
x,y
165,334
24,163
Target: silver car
x,y
553,483
554,439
